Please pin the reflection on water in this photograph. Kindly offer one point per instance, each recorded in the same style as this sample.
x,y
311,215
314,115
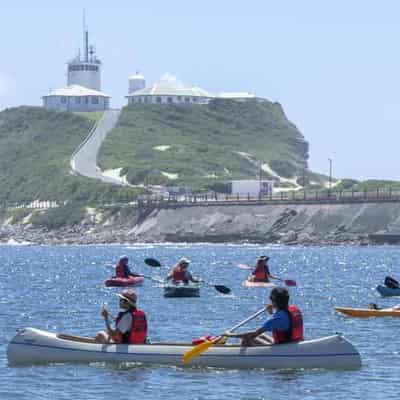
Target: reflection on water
x,y
61,289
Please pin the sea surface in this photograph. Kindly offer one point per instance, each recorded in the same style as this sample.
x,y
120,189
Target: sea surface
x,y
61,289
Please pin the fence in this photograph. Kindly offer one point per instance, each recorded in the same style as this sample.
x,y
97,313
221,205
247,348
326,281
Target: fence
x,y
213,199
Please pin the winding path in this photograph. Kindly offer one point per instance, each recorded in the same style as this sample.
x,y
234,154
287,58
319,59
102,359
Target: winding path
x,y
84,159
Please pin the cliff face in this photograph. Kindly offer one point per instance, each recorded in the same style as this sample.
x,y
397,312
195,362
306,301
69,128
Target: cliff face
x,y
298,224
277,224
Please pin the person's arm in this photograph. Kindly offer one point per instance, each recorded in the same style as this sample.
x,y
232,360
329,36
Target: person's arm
x,y
115,334
190,278
270,275
248,335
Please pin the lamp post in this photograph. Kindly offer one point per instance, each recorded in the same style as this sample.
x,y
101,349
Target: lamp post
x,y
330,175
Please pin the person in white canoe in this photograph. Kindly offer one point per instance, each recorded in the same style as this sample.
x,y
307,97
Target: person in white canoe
x,y
130,323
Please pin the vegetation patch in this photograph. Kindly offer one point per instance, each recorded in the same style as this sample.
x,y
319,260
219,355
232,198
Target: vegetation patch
x,y
35,150
205,141
55,218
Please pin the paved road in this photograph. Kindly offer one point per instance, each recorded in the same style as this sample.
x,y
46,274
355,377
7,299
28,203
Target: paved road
x,y
84,160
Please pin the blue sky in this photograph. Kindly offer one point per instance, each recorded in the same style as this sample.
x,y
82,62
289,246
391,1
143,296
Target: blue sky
x,y
335,67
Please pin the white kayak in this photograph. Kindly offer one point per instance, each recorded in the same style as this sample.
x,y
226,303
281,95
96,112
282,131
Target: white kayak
x,y
34,346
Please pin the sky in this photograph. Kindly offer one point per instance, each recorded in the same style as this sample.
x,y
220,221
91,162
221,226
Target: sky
x,y
333,65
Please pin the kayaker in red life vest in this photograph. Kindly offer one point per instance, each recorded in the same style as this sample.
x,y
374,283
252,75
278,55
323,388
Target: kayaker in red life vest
x,y
122,269
286,324
180,273
261,272
130,323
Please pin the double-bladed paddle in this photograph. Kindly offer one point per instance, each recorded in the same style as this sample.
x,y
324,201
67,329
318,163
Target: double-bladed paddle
x,y
152,262
202,347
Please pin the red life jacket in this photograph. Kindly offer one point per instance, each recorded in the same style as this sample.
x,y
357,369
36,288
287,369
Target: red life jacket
x,y
138,332
261,273
120,271
178,274
295,333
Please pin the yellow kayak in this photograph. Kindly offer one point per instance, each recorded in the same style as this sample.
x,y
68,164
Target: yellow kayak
x,y
366,312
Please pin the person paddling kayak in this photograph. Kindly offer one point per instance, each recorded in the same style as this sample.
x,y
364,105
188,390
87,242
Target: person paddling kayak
x,y
130,324
122,269
180,273
286,324
261,272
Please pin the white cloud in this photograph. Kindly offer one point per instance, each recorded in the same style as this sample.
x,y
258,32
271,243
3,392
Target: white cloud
x,y
170,78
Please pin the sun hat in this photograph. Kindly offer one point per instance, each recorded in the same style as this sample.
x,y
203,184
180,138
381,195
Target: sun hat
x,y
184,261
263,258
129,295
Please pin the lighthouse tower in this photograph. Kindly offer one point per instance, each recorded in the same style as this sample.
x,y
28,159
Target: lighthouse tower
x,y
85,71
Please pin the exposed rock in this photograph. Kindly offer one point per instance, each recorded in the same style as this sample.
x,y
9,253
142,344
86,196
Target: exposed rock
x,y
297,224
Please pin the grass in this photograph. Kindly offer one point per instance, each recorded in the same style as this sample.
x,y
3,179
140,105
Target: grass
x,y
35,150
93,116
204,141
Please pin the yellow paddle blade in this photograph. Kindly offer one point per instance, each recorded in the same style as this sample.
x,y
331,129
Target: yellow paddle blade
x,y
200,348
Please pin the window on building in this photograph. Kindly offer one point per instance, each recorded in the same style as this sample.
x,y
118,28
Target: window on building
x,y
78,100
139,99
63,99
158,99
86,100
179,98
169,100
95,100
194,99
146,99
187,100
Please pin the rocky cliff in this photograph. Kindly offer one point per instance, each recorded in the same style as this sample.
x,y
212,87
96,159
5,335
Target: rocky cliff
x,y
288,224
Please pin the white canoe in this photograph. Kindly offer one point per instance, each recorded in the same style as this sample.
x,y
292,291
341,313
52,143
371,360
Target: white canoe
x,y
34,346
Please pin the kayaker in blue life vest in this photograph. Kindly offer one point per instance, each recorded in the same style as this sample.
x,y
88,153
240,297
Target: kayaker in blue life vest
x,y
286,323
122,269
130,323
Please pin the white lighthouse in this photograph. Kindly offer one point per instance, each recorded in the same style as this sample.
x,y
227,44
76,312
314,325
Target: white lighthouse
x,y
85,71
83,90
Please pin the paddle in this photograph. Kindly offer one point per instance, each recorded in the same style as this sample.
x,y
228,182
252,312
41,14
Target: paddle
x,y
202,347
391,283
287,282
152,262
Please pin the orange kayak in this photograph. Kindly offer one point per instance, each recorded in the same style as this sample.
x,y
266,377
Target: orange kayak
x,y
366,312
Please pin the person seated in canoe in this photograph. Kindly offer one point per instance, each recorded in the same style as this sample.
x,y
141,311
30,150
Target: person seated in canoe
x,y
286,323
261,272
122,269
130,323
180,273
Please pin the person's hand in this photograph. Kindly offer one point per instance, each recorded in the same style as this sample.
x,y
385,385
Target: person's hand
x,y
105,313
269,308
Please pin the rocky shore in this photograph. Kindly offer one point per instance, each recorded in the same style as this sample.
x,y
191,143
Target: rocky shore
x,y
351,224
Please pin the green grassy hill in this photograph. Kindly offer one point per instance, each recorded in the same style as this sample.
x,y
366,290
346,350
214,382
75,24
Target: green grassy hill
x,y
221,141
35,150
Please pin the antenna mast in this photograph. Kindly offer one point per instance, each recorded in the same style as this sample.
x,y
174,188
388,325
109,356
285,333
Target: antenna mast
x,y
85,39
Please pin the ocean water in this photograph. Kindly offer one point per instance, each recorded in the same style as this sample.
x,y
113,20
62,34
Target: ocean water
x,y
61,289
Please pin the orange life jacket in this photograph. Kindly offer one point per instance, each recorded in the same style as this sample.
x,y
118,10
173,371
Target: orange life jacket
x,y
138,332
120,271
295,333
178,274
261,273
